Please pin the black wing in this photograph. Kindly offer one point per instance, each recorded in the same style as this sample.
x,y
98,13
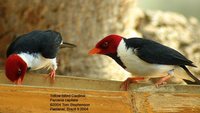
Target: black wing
x,y
51,44
155,53
45,42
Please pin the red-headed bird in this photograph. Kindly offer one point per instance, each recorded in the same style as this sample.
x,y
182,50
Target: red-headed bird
x,y
142,58
33,51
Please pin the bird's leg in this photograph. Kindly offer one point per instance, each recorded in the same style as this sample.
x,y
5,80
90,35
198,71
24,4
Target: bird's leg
x,y
18,81
52,74
128,81
163,80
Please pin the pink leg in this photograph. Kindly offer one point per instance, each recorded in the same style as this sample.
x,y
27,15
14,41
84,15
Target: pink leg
x,y
18,82
52,75
162,81
128,81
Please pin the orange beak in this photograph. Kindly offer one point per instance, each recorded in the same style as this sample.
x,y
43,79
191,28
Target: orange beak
x,y
94,51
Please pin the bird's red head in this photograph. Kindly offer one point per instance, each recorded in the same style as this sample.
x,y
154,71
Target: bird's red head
x,y
108,45
15,68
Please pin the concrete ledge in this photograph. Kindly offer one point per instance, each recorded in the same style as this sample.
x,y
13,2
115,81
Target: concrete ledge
x,y
102,96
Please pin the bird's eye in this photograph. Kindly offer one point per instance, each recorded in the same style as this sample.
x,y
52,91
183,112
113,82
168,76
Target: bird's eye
x,y
104,45
19,72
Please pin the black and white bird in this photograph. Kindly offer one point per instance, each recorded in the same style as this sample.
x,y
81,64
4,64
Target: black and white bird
x,y
33,51
143,58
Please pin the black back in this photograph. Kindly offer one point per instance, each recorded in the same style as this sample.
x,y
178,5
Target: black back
x,y
155,53
45,42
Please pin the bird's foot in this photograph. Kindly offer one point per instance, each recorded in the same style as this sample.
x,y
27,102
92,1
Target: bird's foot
x,y
128,81
18,81
162,81
52,75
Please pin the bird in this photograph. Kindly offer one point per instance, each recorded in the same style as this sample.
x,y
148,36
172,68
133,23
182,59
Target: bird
x,y
143,58
32,51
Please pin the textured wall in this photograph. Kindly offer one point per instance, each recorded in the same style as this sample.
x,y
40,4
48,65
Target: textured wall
x,y
172,29
82,22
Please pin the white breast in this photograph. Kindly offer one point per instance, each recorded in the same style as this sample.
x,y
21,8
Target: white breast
x,y
37,61
137,66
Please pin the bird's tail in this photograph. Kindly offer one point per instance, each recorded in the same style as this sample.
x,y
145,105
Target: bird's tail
x,y
66,44
197,81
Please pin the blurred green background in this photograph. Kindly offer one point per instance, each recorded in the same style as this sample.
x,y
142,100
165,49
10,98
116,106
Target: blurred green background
x,y
188,8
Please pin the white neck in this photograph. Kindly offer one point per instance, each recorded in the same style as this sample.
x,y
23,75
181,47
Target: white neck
x,y
37,61
27,58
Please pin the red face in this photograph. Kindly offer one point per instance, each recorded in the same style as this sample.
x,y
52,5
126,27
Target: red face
x,y
108,45
15,68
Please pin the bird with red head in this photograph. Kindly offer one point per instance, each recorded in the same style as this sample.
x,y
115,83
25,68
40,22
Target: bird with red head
x,y
143,58
33,51
15,68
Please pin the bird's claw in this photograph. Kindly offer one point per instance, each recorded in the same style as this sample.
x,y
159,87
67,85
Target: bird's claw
x,y
125,85
18,81
52,75
162,81
160,84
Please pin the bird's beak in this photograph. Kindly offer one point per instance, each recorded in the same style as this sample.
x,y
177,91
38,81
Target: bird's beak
x,y
65,44
94,51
